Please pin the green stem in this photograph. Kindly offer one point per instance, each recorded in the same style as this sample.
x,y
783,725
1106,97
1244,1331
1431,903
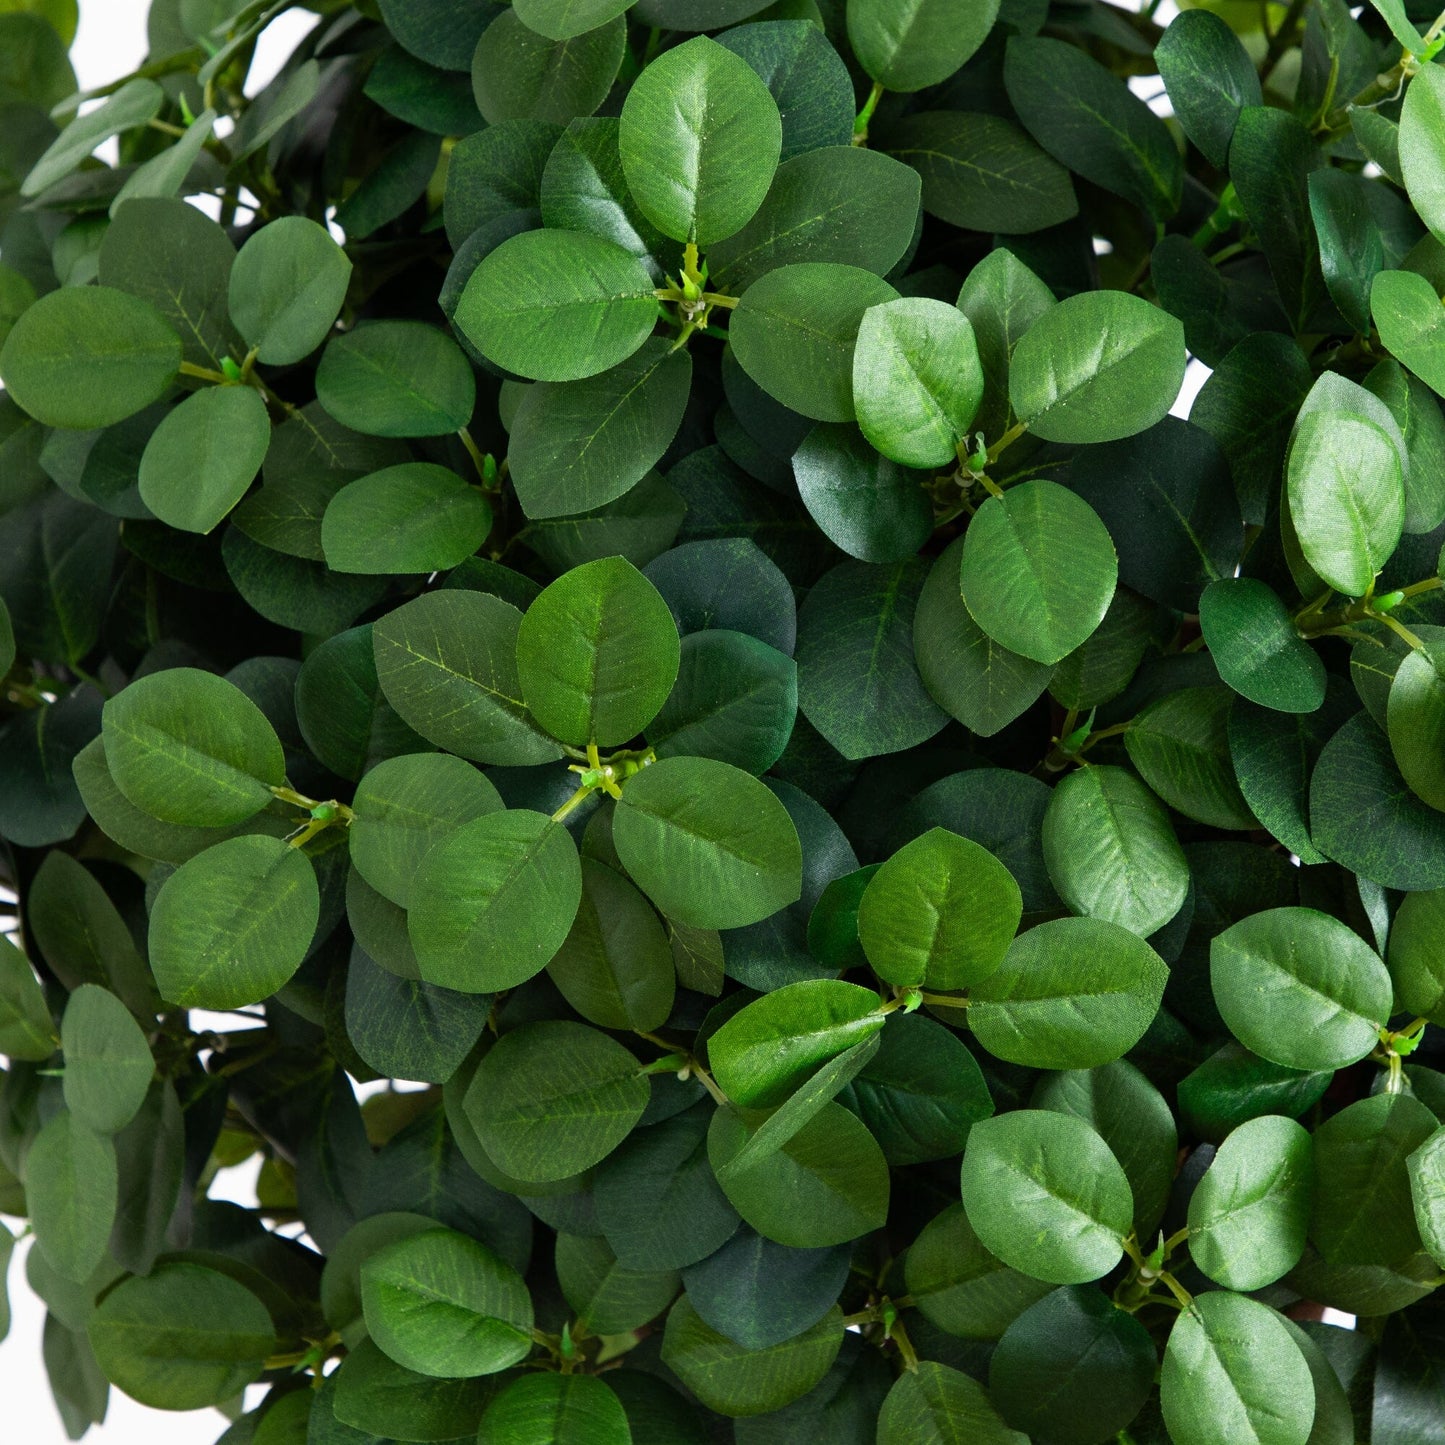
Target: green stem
x,y
204,373
860,125
1006,441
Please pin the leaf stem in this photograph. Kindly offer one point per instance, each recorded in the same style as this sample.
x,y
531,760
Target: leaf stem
x,y
860,124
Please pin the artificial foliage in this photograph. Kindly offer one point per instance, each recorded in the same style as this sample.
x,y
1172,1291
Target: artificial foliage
x,y
618,667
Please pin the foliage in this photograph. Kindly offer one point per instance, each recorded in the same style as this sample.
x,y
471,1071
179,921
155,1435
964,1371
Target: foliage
x,y
618,668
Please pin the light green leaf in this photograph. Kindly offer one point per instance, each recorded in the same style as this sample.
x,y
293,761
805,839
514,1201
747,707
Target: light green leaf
x,y
416,517
1411,321
1427,1191
1422,140
1249,1215
1072,993
88,356
1255,646
708,843
108,1064
1415,719
396,379
772,1045
941,913
1416,955
70,1190
493,901
597,654
551,1409
286,289
917,380
189,747
231,926
562,19
405,806
1346,497
182,1337
1097,367
135,104
447,662
1046,1195
558,305
1231,1373
443,1304
1038,569
204,455
937,1405
1300,988
908,45
794,333
700,141
551,1099
1111,850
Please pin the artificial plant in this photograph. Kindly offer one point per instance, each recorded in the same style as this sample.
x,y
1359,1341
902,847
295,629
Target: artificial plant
x,y
628,577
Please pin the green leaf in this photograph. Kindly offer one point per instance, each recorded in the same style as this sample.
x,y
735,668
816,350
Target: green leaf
x,y
519,74
1072,993
1046,1195
1421,421
735,700
558,305
941,912
204,456
549,1409
562,19
1427,1191
578,445
441,32
1346,497
1249,1214
442,1304
608,1297
396,379
1111,850
1253,642
416,517
597,654
840,203
1300,988
1209,77
88,356
982,173
108,1064
1411,321
795,329
1097,367
286,289
771,1046
70,1190
615,965
1422,134
917,380
374,1393
959,1286
1364,816
231,926
864,503
1180,747
700,141
134,104
189,747
1073,1367
1416,724
739,1382
1232,1372
1416,954
1233,1086
447,662
493,901
26,1029
823,1185
1015,581
1363,1210
182,1337
404,806
934,1403
551,1099
708,843
1352,251
920,43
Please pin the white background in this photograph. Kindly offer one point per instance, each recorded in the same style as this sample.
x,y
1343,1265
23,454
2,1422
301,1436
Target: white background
x,y
110,43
